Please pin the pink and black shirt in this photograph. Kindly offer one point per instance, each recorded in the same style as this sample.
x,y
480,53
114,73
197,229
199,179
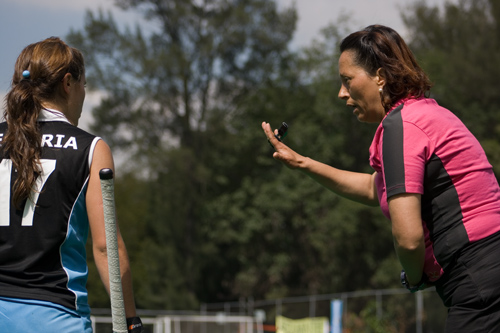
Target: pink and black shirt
x,y
423,148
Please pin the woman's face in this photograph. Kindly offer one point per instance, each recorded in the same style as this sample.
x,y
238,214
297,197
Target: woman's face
x,y
360,90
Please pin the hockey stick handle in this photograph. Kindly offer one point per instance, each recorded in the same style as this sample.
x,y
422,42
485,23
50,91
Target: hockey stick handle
x,y
115,284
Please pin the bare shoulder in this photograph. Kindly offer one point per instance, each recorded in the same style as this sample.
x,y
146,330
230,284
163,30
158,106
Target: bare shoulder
x,y
102,158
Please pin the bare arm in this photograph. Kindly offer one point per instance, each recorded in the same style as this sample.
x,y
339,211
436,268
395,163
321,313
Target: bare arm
x,y
103,159
356,186
408,234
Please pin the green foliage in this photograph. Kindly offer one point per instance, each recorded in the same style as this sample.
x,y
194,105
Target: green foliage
x,y
205,211
282,233
393,316
212,217
168,101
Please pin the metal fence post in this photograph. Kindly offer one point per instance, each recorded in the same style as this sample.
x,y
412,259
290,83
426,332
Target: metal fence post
x,y
420,311
278,307
249,306
378,298
203,313
312,306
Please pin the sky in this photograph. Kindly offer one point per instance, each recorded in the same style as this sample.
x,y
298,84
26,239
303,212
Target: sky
x,y
23,22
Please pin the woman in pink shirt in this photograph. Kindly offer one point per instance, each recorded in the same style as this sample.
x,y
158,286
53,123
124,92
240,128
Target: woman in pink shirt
x,y
431,179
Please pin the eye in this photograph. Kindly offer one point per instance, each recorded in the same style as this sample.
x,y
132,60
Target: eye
x,y
345,81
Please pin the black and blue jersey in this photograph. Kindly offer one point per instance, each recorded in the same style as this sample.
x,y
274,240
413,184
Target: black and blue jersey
x,y
42,245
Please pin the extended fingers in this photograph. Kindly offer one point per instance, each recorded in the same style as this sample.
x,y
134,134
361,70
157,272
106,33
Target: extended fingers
x,y
267,129
269,133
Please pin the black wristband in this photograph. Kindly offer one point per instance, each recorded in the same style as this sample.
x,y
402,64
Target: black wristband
x,y
420,286
134,325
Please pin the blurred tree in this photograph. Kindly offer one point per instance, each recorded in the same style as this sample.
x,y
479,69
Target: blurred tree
x,y
286,234
167,101
207,214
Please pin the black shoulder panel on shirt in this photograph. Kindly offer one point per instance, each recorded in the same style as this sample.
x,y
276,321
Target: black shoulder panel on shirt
x,y
442,212
393,154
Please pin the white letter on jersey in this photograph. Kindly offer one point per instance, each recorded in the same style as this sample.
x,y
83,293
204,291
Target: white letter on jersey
x,y
71,143
46,138
59,139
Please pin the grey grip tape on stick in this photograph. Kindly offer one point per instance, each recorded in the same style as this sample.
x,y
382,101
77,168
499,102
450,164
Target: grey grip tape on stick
x,y
115,285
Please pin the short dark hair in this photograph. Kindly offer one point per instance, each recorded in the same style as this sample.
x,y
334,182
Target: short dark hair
x,y
378,46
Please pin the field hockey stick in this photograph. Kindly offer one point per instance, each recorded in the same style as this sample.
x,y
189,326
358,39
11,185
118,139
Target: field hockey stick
x,y
115,283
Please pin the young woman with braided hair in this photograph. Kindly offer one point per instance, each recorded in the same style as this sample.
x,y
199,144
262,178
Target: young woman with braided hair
x,y
50,197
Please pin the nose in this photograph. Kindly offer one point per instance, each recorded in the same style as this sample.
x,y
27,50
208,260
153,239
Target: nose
x,y
343,93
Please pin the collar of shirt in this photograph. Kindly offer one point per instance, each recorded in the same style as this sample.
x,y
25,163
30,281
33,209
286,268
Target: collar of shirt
x,y
52,115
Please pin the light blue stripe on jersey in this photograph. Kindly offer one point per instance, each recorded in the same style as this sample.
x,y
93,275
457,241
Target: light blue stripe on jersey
x,y
73,252
31,316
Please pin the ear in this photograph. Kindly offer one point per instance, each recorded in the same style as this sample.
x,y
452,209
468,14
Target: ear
x,y
380,77
67,82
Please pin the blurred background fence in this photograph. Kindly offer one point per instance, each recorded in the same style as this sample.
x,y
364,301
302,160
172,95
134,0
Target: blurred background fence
x,y
381,310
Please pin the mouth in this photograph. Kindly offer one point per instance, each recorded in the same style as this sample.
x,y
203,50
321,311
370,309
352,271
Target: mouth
x,y
354,108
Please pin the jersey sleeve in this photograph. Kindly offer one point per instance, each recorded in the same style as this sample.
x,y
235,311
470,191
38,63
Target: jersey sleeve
x,y
406,148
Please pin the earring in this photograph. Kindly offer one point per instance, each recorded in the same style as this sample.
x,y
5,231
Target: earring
x,y
380,89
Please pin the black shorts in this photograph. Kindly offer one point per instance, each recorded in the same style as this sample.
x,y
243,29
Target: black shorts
x,y
471,288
